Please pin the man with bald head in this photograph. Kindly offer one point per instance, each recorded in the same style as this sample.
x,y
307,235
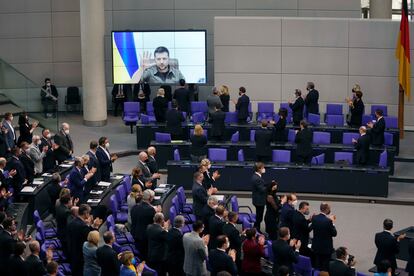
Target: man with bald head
x,y
63,139
33,262
362,146
152,163
146,172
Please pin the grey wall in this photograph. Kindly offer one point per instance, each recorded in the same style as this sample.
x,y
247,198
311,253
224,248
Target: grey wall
x,y
288,52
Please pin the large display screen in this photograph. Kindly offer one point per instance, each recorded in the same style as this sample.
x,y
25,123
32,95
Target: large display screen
x,y
159,57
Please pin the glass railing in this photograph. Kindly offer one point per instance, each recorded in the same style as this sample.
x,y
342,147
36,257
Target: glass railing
x,y
18,93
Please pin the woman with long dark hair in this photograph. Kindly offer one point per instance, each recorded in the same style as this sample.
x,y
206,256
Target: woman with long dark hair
x,y
273,206
26,129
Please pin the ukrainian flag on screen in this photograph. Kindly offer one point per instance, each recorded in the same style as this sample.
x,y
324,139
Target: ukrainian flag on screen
x,y
124,57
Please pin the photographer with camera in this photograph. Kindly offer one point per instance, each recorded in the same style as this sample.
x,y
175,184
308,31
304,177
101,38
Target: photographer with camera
x,y
344,265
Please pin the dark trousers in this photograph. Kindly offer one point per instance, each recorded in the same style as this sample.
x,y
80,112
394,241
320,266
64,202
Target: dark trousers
x,y
142,246
322,261
118,103
259,216
159,266
175,269
304,159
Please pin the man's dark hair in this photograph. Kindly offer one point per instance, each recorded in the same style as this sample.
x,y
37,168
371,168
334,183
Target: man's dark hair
x,y
160,50
93,145
182,82
289,197
220,210
358,94
47,79
340,252
7,223
65,199
15,150
108,237
283,232
232,216
52,267
102,140
283,112
242,89
324,208
303,204
264,123
198,225
251,233
283,271
304,124
379,112
311,85
298,92
19,248
197,174
258,166
221,240
84,209
7,115
43,130
388,224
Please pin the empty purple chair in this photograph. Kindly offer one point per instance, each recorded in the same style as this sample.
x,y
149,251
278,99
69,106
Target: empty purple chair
x,y
162,137
321,138
150,109
131,114
240,155
252,135
231,118
215,154
383,160
388,139
235,137
249,216
366,119
145,119
182,201
291,135
318,160
343,156
334,109
199,107
314,119
265,111
119,217
177,156
348,136
335,120
391,122
281,156
198,117
276,117
303,266
382,107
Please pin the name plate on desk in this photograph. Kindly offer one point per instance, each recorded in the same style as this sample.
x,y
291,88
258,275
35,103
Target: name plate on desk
x,y
96,192
47,175
28,189
160,190
38,182
93,200
65,165
104,184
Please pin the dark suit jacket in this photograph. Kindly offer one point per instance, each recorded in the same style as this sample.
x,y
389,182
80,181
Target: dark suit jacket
x,y
357,112
17,266
215,225
35,266
297,110
303,142
311,102
323,233
17,180
283,255
410,263
216,120
142,215
208,180
182,96
221,261
174,120
300,228
94,163
362,147
198,145
7,243
28,165
3,143
53,191
126,88
377,132
157,243
65,143
53,91
160,105
25,135
279,130
62,216
234,238
77,234
258,190
48,160
168,93
286,215
105,164
10,137
242,107
76,183
175,248
387,248
152,164
339,268
207,212
200,197
107,259
263,138
225,101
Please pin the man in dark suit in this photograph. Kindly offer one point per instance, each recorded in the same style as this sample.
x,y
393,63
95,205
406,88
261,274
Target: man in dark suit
x,y
387,245
215,226
219,260
258,192
120,94
263,137
14,163
286,213
157,234
376,131
182,96
200,195
142,215
152,162
49,98
285,252
7,242
168,93
216,119
5,182
341,266
27,162
362,146
64,141
410,263
160,105
9,131
301,228
323,232
208,211
62,217
146,171
242,106
77,233
106,256
297,108
303,142
16,264
105,159
175,248
174,119
33,263
45,141
77,181
94,162
230,230
311,99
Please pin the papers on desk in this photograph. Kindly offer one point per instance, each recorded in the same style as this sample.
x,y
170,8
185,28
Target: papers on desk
x,y
104,184
94,200
28,189
47,175
38,182
157,197
162,186
96,192
160,190
219,197
69,162
65,165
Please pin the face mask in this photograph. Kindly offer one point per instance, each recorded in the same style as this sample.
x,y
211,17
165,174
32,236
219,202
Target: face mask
x,y
134,262
215,207
27,151
48,136
209,166
263,171
294,203
39,142
48,84
66,131
306,213
107,145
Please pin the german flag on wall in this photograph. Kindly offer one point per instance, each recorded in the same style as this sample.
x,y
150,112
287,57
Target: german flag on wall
x,y
403,50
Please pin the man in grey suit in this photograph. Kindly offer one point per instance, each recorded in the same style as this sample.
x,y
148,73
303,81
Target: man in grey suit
x,y
146,172
9,130
214,101
195,249
36,155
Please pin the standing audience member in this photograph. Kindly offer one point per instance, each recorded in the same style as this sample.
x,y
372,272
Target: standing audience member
x,y
362,146
174,119
53,191
297,108
233,234
26,129
160,105
384,269
253,251
175,248
49,160
208,211
77,180
9,131
168,93
146,172
27,162
303,141
134,198
219,260
62,217
93,161
273,206
182,96
376,131
311,99
301,228
64,141
224,98
279,128
52,268
214,101
285,250
91,267
209,180
142,100
151,161
216,120
263,138
137,177
342,265
15,164
157,234
287,211
198,149
35,266
37,155
105,159
195,251
258,193
49,97
120,95
356,107
200,195
16,264
106,256
242,106
3,140
216,224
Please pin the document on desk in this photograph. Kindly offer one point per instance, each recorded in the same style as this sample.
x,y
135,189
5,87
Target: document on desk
x,y
28,189
65,165
96,192
104,184
38,182
93,200
47,175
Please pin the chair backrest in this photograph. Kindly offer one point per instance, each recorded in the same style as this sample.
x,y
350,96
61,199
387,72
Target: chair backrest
x,y
127,183
240,155
177,156
162,137
40,228
291,135
303,266
110,221
234,204
318,160
383,160
198,117
281,156
199,107
265,108
334,109
231,117
181,196
113,204
252,135
366,119
388,139
150,109
382,107
314,119
72,95
334,120
145,119
391,122
36,216
348,136
216,154
173,213
321,138
286,105
344,156
235,137
131,108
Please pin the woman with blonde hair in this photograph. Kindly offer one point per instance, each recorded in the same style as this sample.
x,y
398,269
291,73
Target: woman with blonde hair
x,y
129,264
160,104
90,266
224,97
209,179
198,149
133,199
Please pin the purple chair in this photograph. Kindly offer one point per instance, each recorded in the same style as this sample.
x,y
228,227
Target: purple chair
x,y
281,156
121,196
198,117
314,119
391,122
303,266
49,231
127,183
150,270
240,155
268,250
334,109
318,160
344,156
215,154
231,118
189,218
150,109
182,201
145,119
177,156
361,274
321,138
162,137
199,107
265,111
291,136
248,217
335,120
235,137
366,119
383,160
388,139
131,114
119,217
382,107
252,135
348,136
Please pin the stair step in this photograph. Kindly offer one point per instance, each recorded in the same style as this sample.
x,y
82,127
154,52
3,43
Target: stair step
x,y
409,159
401,179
